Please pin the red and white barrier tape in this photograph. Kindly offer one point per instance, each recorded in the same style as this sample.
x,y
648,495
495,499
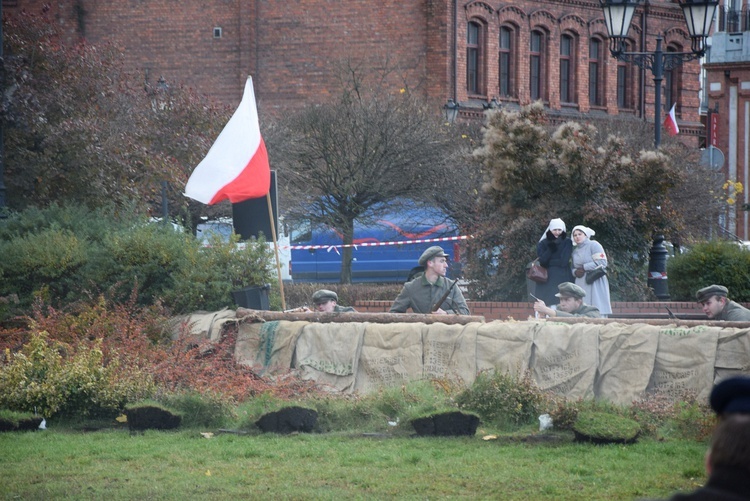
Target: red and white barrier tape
x,y
375,244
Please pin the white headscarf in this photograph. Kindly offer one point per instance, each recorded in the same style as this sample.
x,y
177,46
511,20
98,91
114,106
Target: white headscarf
x,y
586,231
554,224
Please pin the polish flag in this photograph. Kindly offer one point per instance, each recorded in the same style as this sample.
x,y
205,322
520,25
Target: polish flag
x,y
236,167
670,122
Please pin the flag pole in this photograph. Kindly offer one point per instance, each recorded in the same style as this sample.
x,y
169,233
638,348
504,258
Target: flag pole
x,y
276,250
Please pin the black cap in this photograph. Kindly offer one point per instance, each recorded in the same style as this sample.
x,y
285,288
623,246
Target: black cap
x,y
731,396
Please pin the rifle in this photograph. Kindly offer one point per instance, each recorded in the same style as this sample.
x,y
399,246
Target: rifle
x,y
436,306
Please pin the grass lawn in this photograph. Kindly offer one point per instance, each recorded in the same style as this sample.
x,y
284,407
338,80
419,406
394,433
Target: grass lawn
x,y
113,464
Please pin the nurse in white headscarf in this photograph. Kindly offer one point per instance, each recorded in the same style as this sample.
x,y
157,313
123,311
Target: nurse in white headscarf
x,y
587,255
554,251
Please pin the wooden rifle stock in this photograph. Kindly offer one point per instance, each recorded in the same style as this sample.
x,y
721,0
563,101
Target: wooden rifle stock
x,y
436,306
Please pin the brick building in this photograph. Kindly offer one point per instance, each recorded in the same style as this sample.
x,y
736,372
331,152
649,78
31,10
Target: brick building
x,y
471,51
728,101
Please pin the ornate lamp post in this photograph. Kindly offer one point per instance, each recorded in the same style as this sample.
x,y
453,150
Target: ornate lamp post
x,y
494,104
451,110
618,15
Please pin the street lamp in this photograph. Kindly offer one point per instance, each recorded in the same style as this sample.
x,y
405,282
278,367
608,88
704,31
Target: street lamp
x,y
618,15
492,105
451,110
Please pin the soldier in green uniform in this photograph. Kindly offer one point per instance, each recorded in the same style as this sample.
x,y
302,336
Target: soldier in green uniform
x,y
327,302
717,306
422,293
571,303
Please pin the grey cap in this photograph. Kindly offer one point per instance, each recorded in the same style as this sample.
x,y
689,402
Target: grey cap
x,y
569,289
324,295
434,251
706,293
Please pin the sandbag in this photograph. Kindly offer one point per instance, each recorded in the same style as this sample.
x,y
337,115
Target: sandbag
x,y
732,354
627,354
565,358
329,353
505,346
449,351
202,324
267,346
684,361
391,355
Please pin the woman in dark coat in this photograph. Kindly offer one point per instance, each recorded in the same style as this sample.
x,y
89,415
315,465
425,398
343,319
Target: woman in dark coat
x,y
554,251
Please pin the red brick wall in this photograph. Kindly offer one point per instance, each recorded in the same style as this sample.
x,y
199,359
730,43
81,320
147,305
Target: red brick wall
x,y
522,311
292,47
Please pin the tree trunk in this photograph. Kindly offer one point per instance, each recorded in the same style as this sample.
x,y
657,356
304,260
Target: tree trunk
x,y
346,253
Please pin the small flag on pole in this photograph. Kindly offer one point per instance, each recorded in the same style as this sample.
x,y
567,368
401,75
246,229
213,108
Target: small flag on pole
x,y
236,167
670,122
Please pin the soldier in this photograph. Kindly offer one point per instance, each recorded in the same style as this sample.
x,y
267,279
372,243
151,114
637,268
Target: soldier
x,y
424,292
717,306
327,302
571,303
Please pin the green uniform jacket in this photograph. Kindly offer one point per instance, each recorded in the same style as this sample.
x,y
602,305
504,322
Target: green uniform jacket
x,y
734,312
584,311
420,295
343,309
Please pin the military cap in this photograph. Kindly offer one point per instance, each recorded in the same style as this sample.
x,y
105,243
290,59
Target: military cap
x,y
569,289
434,251
324,295
712,290
731,396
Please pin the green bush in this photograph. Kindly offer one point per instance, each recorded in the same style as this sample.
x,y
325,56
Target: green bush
x,y
61,254
504,399
714,262
210,274
53,379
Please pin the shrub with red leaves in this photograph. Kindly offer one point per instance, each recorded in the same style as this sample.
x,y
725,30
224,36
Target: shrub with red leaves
x,y
139,337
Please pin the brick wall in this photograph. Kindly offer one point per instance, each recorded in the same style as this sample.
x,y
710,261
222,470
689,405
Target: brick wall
x,y
292,48
522,311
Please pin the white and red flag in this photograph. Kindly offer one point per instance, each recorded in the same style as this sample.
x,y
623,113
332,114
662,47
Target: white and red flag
x,y
236,167
670,122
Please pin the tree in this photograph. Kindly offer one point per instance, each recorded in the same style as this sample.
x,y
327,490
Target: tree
x,y
351,158
80,128
536,173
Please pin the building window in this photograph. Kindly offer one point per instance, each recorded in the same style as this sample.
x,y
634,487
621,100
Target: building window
x,y
506,62
625,81
474,58
596,82
536,65
672,83
567,69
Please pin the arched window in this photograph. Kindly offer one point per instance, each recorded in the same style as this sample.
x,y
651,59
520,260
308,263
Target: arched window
x,y
506,62
672,83
537,62
625,74
568,69
474,58
596,72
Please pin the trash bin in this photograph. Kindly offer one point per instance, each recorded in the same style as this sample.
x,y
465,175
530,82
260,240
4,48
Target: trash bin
x,y
254,298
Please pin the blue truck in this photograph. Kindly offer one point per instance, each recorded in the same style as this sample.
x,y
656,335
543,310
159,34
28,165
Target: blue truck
x,y
316,249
